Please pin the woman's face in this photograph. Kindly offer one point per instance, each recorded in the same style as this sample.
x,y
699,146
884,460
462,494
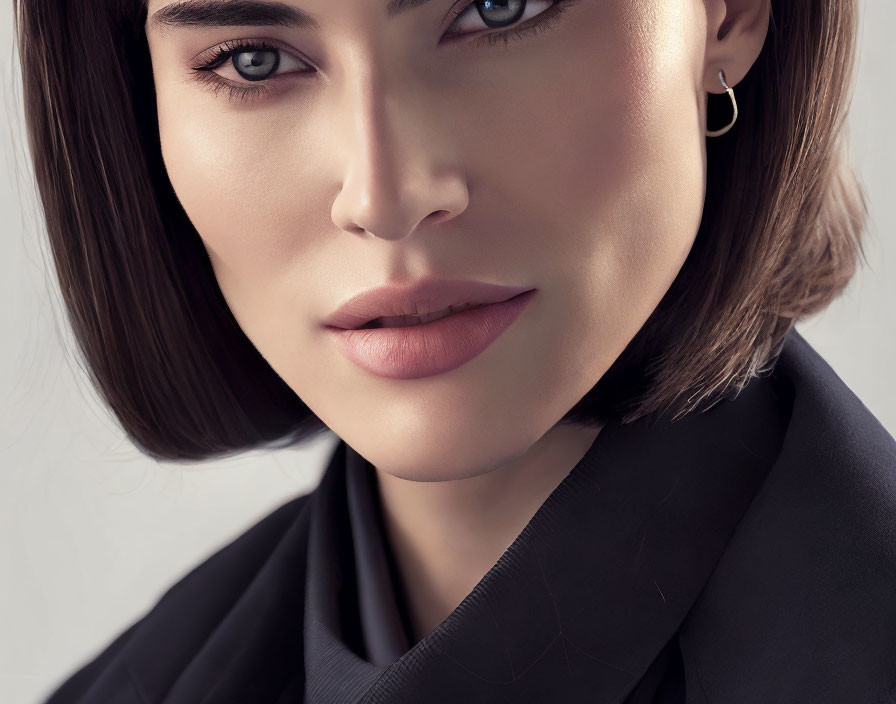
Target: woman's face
x,y
570,160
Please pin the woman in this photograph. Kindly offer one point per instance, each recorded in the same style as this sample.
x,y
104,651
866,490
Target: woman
x,y
543,288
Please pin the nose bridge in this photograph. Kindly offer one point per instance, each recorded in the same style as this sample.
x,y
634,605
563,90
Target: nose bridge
x,y
393,171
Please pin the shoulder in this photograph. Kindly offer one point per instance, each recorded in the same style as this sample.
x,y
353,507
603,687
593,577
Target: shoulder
x,y
802,605
836,454
143,660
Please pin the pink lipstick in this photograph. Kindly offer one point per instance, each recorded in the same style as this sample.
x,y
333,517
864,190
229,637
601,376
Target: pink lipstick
x,y
387,333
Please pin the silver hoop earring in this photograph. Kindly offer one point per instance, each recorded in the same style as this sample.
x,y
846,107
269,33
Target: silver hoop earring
x,y
730,91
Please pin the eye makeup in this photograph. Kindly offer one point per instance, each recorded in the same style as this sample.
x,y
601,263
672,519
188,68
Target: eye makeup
x,y
252,88
260,87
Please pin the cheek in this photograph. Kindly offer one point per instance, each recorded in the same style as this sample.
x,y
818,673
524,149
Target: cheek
x,y
243,202
620,163
607,166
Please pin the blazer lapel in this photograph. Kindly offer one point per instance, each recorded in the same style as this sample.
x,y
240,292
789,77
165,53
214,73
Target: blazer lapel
x,y
589,593
806,585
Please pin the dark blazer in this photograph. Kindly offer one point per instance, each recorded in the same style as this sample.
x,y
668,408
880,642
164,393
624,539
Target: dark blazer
x,y
745,555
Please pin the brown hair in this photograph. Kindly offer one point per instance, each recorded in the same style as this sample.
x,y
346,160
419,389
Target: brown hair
x,y
779,239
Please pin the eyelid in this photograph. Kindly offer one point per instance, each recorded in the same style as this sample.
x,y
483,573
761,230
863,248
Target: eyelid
x,y
213,57
244,90
468,5
218,55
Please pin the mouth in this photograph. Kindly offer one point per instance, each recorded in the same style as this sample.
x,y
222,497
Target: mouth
x,y
406,347
400,321
420,302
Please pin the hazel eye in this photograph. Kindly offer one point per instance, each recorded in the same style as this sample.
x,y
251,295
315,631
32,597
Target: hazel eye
x,y
497,14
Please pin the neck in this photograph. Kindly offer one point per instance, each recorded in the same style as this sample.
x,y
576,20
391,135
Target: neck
x,y
445,535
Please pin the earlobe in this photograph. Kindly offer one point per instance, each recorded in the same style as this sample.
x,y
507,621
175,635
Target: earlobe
x,y
735,34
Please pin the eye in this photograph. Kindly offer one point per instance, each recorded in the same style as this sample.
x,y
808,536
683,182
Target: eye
x,y
496,14
251,61
254,65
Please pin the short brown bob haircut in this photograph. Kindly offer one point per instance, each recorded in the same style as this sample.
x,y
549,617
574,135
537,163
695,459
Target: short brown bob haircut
x,y
779,239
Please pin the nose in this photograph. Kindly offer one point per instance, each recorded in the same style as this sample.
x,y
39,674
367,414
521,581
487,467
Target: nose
x,y
397,168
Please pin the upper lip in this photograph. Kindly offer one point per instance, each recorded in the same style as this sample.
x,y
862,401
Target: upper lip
x,y
429,295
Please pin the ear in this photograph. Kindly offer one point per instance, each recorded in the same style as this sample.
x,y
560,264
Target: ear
x,y
735,34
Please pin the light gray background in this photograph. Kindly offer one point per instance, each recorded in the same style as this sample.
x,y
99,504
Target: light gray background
x,y
92,533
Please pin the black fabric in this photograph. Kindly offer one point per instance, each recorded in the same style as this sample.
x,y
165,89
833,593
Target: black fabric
x,y
381,621
741,555
592,589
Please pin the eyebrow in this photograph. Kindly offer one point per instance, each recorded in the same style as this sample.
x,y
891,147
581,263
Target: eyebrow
x,y
236,13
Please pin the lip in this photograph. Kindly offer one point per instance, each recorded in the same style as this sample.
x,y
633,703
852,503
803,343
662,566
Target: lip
x,y
434,347
417,298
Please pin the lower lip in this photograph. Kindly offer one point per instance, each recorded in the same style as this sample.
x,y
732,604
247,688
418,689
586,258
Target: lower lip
x,y
416,351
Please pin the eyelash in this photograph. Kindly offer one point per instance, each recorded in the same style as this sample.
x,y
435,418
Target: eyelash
x,y
238,92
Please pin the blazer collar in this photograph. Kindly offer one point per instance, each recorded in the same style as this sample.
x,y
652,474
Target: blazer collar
x,y
583,600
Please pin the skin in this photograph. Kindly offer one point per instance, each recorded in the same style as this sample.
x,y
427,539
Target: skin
x,y
572,161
